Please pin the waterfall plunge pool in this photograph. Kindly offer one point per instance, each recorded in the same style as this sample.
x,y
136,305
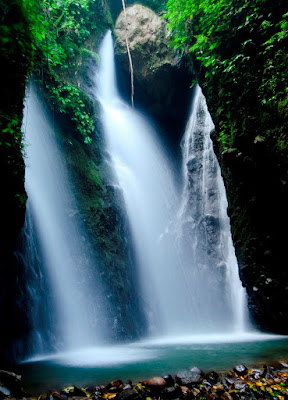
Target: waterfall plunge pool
x,y
145,359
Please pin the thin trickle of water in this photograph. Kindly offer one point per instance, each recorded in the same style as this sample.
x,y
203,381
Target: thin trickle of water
x,y
185,256
65,261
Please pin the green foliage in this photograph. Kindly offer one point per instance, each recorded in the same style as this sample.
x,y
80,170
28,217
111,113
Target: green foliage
x,y
239,51
61,30
15,60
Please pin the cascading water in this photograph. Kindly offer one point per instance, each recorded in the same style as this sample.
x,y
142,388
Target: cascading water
x,y
188,269
204,223
65,259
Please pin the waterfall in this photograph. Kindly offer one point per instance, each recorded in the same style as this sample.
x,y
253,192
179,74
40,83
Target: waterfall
x,y
65,260
186,261
204,222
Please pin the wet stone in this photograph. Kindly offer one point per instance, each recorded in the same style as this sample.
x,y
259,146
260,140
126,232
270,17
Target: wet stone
x,y
156,382
172,392
212,377
186,377
115,384
207,385
73,391
127,386
196,370
240,386
185,390
4,392
131,395
269,372
169,380
240,370
219,388
57,396
257,374
226,396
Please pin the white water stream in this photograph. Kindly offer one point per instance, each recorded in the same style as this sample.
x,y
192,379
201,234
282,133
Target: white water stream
x,y
63,242
188,269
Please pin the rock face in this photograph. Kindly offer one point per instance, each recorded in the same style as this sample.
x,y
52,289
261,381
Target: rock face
x,y
161,81
15,47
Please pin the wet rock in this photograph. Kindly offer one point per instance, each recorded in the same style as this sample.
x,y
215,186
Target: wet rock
x,y
226,396
219,388
187,377
172,392
269,372
240,386
257,374
169,380
116,384
156,382
195,391
240,370
196,370
9,381
127,386
229,381
211,377
131,395
57,396
185,391
73,391
207,385
4,392
139,388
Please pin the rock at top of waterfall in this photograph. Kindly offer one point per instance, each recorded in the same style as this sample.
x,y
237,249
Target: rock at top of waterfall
x,y
147,37
155,68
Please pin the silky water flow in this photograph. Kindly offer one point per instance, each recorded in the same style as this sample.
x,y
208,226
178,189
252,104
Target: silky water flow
x,y
187,265
64,257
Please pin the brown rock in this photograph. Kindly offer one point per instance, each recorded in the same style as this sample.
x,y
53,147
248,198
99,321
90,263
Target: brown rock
x,y
185,390
226,396
116,383
156,381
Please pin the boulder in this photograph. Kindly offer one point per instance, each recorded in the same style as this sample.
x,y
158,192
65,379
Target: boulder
x,y
161,80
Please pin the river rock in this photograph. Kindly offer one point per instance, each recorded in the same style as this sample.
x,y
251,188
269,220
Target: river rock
x,y
73,391
172,392
240,370
156,382
212,377
197,370
226,396
11,382
185,391
127,386
114,385
131,395
187,377
169,380
4,392
240,386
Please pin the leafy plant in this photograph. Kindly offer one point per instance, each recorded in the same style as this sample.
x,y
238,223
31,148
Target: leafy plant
x,y
60,31
239,52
